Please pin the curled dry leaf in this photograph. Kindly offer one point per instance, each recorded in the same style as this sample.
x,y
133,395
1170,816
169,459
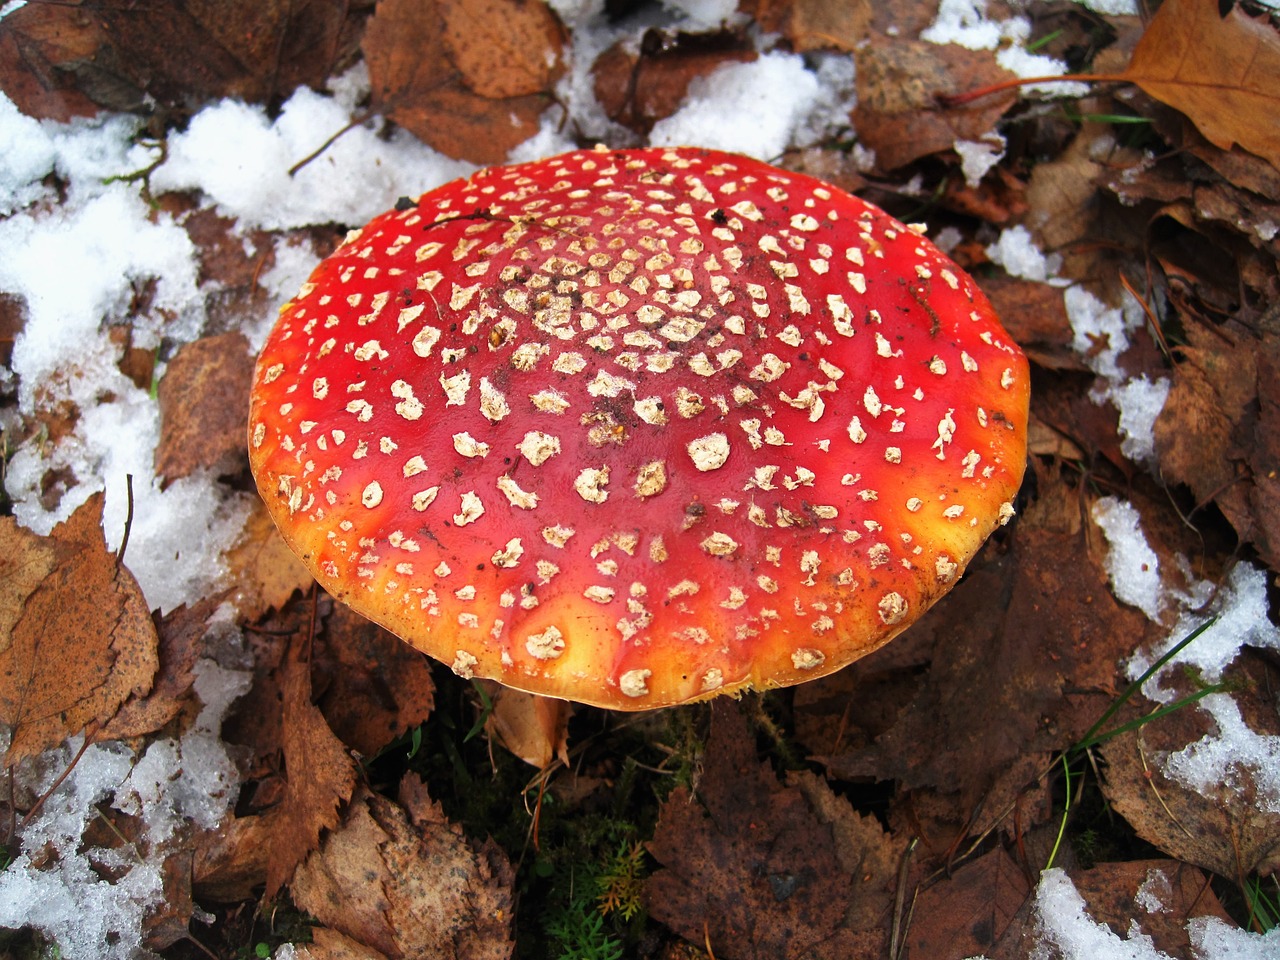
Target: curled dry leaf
x,y
76,636
401,880
264,571
1221,71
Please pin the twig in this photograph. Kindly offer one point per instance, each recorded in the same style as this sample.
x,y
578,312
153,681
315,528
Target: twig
x,y
128,520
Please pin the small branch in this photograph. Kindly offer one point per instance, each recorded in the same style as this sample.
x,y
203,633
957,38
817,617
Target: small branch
x,y
959,99
128,520
356,121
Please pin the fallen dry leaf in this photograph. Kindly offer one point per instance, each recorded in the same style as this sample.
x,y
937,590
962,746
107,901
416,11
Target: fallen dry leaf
x,y
1221,71
415,82
813,24
68,59
401,880
504,48
264,571
966,912
320,773
1227,829
756,868
182,633
371,686
204,406
1157,897
76,636
1022,658
533,728
639,88
898,114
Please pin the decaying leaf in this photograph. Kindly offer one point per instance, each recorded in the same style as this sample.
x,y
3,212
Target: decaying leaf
x,y
182,633
76,636
63,60
1022,659
967,912
899,82
1138,898
371,686
204,405
416,81
504,48
319,770
639,88
1227,828
814,24
756,868
400,880
1221,71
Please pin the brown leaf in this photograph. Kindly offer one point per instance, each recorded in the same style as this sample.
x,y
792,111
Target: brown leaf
x,y
1157,897
898,84
320,772
813,24
967,912
42,49
175,54
204,406
264,571
639,88
230,862
414,82
78,639
371,685
754,867
182,633
533,728
399,879
1229,829
1022,661
504,48
1221,71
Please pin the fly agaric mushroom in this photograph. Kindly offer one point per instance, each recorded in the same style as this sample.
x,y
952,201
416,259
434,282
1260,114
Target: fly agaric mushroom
x,y
637,427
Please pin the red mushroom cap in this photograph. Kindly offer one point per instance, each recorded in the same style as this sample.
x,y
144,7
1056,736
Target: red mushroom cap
x,y
638,427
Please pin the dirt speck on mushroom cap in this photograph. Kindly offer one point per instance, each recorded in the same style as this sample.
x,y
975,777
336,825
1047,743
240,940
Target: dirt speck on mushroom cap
x,y
638,427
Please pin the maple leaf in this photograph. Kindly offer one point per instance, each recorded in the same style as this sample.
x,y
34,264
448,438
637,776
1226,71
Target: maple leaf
x,y
76,635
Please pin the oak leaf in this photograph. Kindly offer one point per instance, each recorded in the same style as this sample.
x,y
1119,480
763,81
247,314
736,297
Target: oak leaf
x,y
76,635
1223,72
